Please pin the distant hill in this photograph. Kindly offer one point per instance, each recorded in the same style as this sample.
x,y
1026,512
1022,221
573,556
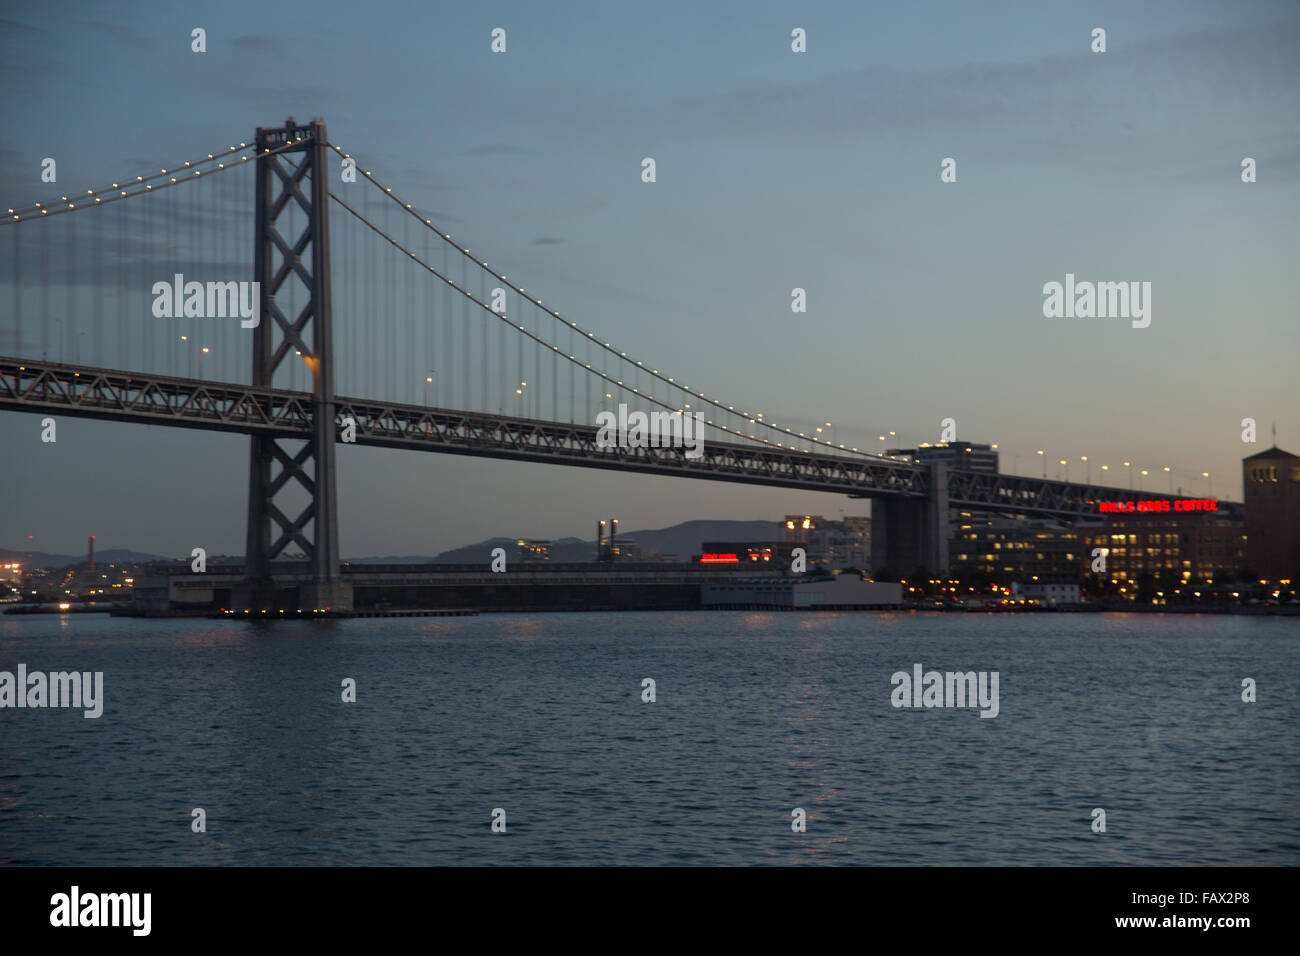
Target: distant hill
x,y
476,553
393,559
42,559
684,540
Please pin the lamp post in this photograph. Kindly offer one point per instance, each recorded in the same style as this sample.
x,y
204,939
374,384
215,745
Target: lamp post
x,y
1141,484
1171,479
189,355
1084,458
428,381
1044,457
204,351
1129,466
1206,476
1067,468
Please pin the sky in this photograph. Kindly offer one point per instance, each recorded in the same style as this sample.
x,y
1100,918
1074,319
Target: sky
x,y
775,170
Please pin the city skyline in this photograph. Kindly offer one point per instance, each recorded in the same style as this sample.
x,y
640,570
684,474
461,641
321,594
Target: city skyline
x,y
924,299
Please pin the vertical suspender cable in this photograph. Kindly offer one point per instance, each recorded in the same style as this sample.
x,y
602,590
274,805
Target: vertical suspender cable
x,y
147,330
408,315
18,286
123,324
445,364
69,323
483,343
465,331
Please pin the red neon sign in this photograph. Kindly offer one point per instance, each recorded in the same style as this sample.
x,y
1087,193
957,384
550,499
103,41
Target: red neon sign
x,y
1159,507
719,559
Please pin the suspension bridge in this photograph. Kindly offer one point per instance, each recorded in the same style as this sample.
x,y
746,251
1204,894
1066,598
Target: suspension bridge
x,y
382,330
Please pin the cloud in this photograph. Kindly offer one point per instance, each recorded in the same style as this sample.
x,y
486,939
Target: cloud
x,y
547,241
496,149
126,35
255,43
9,26
435,215
1165,86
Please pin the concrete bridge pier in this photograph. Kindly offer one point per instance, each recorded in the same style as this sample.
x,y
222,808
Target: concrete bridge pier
x,y
265,594
327,595
912,533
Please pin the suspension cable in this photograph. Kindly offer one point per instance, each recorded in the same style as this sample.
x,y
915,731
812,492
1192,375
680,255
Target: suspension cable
x,y
621,357
138,186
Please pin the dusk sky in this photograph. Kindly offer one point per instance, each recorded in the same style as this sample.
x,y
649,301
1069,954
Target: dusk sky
x,y
775,170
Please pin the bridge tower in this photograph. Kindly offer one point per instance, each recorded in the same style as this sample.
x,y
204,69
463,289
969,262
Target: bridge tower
x,y
909,534
297,176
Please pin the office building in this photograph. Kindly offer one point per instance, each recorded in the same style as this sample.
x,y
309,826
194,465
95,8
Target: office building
x,y
1007,548
969,455
532,552
835,543
1271,482
1188,547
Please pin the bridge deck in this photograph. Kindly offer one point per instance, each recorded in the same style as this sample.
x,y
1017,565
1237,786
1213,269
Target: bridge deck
x,y
90,392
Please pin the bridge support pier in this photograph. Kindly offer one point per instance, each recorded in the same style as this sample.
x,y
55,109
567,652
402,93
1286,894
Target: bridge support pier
x,y
296,176
911,534
292,595
327,595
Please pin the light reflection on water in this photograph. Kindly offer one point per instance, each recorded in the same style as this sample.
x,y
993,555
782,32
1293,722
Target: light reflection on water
x,y
756,714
